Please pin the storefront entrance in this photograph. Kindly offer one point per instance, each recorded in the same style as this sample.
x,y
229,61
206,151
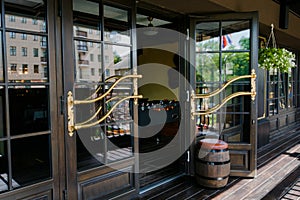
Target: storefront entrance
x,y
100,102
123,102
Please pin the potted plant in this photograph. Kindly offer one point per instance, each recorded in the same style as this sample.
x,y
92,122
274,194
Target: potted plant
x,y
276,58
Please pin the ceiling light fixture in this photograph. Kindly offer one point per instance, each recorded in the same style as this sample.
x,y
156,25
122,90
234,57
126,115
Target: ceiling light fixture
x,y
150,30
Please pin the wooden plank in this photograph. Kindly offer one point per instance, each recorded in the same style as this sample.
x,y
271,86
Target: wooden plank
x,y
247,186
262,189
281,188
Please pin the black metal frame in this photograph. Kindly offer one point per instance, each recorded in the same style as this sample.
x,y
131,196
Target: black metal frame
x,y
252,146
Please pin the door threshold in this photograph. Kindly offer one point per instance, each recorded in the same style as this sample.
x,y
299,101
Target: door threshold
x,y
159,183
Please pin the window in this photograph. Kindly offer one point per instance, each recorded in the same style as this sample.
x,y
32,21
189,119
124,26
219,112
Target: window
x,y
106,59
35,38
93,71
11,18
34,21
281,91
13,68
36,69
92,57
291,88
82,46
99,58
43,27
107,72
24,51
24,36
43,42
12,35
91,44
25,69
45,72
27,110
35,52
13,51
23,20
216,47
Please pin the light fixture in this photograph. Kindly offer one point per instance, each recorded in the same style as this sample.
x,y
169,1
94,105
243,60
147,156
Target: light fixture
x,y
150,30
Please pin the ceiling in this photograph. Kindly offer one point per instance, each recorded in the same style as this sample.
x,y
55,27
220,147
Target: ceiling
x,y
206,6
188,6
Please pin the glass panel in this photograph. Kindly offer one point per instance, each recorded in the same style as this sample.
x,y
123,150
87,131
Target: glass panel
x,y
207,67
2,113
28,109
93,149
4,167
235,64
30,159
291,94
116,25
86,19
88,64
116,60
86,6
87,29
209,122
282,91
33,16
1,60
207,36
273,107
27,58
90,147
236,35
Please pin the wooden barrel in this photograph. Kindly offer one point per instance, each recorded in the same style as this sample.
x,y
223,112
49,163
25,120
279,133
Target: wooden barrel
x,y
212,163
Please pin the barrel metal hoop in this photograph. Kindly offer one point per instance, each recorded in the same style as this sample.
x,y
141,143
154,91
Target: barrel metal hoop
x,y
210,178
213,163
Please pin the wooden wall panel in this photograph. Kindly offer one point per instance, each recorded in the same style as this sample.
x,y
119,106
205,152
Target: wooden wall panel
x,y
105,185
239,160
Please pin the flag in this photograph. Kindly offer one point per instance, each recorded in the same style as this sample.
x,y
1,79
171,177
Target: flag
x,y
226,39
224,44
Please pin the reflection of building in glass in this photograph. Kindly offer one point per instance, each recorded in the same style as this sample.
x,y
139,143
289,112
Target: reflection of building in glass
x,y
89,58
26,53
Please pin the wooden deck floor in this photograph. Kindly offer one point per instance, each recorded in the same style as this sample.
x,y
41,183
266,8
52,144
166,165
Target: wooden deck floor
x,y
277,177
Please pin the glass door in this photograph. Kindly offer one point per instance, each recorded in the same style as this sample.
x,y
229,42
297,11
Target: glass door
x,y
223,101
162,152
101,94
28,104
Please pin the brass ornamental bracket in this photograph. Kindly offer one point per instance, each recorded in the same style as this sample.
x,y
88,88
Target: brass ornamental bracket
x,y
108,91
252,93
72,126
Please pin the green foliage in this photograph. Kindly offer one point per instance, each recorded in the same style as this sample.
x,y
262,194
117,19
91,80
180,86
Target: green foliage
x,y
276,58
244,43
117,58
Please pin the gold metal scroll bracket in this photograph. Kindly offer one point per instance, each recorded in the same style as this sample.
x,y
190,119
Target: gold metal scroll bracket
x,y
71,103
252,93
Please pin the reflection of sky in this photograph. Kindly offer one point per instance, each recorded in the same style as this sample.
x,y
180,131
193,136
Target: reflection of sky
x,y
123,39
235,38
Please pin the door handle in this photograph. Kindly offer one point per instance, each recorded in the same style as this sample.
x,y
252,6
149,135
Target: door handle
x,y
252,93
71,103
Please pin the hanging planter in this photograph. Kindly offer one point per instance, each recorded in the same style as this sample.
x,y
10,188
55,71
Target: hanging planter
x,y
275,58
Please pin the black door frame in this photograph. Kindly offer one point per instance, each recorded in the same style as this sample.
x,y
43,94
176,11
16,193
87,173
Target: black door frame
x,y
251,148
